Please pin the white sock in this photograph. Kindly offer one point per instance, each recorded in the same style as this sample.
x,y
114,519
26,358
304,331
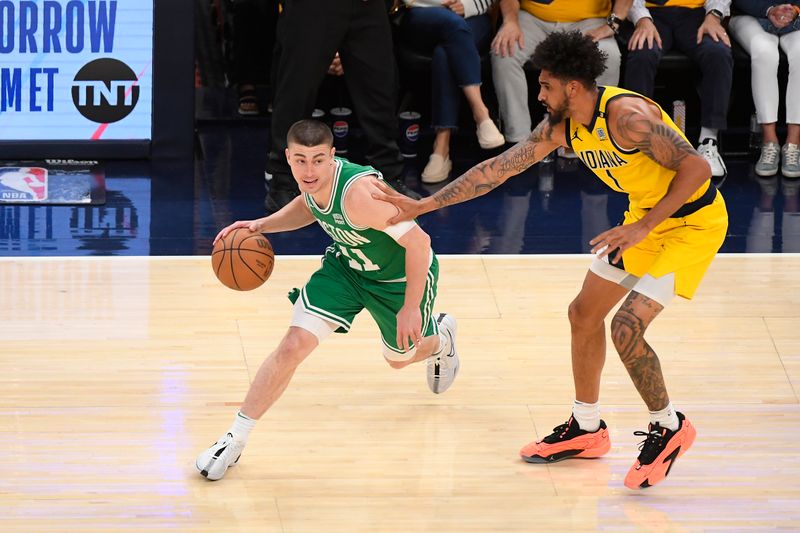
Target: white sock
x,y
587,415
241,427
707,133
666,417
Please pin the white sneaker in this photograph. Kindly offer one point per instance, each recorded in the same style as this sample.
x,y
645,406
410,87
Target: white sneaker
x,y
769,160
708,149
488,135
790,168
224,453
437,170
443,368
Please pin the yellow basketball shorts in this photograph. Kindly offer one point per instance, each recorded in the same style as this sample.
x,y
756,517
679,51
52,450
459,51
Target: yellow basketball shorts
x,y
684,246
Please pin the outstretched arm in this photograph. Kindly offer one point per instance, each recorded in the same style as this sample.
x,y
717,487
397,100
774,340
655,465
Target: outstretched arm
x,y
481,178
294,215
638,126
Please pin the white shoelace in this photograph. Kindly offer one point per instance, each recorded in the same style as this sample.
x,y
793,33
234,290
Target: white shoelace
x,y
769,153
792,156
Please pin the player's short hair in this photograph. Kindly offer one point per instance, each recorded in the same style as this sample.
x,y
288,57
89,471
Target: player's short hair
x,y
309,132
570,55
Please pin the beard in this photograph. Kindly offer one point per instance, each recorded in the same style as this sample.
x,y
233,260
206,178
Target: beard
x,y
557,115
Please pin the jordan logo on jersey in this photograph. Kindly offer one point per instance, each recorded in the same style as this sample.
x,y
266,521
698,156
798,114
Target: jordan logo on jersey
x,y
601,159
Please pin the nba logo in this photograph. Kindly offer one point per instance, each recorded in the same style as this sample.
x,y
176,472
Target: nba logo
x,y
601,134
23,184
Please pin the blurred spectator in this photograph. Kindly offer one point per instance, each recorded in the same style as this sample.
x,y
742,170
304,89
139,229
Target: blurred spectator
x,y
253,38
309,35
693,27
763,28
525,24
454,31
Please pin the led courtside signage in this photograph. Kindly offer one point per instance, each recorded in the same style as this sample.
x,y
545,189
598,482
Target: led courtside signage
x,y
76,69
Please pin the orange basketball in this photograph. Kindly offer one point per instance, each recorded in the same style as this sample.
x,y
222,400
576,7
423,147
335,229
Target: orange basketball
x,y
243,260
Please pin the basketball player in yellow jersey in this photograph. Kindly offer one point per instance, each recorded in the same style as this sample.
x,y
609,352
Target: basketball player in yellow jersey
x,y
674,226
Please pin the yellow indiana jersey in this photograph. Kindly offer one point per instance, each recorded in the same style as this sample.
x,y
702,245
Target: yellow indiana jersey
x,y
566,10
675,3
628,171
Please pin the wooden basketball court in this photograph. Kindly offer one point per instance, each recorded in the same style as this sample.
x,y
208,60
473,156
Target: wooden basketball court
x,y
116,372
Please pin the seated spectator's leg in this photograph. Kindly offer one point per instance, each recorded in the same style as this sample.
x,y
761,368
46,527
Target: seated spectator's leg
x,y
715,60
468,73
457,62
790,43
716,66
608,45
370,74
510,82
764,59
308,35
641,65
445,99
247,53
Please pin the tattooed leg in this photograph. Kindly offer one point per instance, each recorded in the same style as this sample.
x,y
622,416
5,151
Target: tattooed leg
x,y
627,332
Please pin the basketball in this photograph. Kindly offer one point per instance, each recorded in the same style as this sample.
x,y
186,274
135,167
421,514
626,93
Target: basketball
x,y
243,260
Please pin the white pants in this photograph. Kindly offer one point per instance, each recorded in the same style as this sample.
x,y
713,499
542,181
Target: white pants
x,y
509,77
764,58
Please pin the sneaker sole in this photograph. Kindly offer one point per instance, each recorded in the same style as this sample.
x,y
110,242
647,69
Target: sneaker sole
x,y
685,443
435,388
765,174
567,454
204,471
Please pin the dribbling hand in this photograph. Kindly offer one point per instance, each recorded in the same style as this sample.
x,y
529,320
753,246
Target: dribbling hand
x,y
252,225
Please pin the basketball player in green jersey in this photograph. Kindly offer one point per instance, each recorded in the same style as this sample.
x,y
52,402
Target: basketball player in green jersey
x,y
675,223
390,270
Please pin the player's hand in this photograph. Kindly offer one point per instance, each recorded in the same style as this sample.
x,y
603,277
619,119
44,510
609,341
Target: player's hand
x,y
252,225
409,327
645,32
407,208
712,27
503,42
455,6
601,32
617,240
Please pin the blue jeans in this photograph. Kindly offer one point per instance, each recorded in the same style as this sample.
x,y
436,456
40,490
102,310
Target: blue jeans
x,y
678,29
454,43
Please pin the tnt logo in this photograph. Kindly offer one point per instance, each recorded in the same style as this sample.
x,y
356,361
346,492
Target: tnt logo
x,y
105,90
23,183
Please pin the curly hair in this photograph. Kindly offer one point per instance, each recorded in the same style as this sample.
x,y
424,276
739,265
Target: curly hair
x,y
570,55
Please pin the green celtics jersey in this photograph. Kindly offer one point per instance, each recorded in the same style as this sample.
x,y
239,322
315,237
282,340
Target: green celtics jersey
x,y
370,253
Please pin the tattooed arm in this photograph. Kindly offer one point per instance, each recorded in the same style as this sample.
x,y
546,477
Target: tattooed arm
x,y
483,177
666,147
635,123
